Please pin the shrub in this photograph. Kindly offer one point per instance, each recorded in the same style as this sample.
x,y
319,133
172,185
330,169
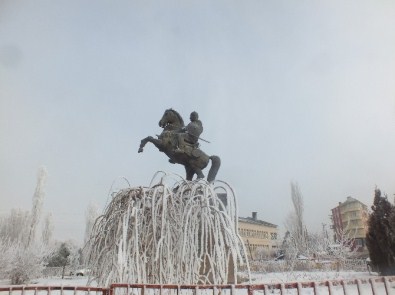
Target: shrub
x,y
23,264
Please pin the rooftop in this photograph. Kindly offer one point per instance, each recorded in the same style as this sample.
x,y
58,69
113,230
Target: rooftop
x,y
254,220
348,201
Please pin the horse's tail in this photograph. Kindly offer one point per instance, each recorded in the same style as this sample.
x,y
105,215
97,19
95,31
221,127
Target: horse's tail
x,y
215,164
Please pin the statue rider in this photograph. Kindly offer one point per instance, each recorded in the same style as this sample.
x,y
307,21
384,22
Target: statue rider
x,y
190,134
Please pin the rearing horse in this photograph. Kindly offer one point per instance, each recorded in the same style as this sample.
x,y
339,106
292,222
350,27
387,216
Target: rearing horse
x,y
193,159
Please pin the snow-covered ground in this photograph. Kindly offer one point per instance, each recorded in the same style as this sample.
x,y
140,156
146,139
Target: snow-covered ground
x,y
257,278
306,276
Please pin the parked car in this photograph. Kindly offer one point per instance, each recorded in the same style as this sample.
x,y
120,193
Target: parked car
x,y
82,272
302,257
298,257
279,257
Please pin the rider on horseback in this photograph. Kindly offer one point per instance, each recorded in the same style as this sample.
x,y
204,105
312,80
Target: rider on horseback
x,y
190,134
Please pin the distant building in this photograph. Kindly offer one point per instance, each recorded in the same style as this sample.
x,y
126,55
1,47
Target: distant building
x,y
350,219
258,235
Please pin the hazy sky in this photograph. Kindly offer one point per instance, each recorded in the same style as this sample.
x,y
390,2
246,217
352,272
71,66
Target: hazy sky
x,y
287,91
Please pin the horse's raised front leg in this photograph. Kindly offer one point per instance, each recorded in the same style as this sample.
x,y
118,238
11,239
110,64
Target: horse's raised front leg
x,y
144,142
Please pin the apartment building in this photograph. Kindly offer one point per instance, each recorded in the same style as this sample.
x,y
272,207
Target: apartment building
x,y
350,219
258,235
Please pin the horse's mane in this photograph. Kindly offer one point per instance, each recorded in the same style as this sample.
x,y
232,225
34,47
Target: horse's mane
x,y
178,116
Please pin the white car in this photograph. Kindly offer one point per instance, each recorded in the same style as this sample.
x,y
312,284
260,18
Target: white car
x,y
302,257
82,272
298,257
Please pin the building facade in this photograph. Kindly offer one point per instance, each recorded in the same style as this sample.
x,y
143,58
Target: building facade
x,y
258,235
349,221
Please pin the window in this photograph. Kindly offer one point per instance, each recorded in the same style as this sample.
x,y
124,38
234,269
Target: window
x,y
359,242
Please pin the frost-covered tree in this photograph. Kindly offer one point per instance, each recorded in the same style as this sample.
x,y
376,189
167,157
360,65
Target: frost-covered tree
x,y
380,236
14,227
47,231
75,258
262,253
345,241
21,256
318,244
178,234
26,263
297,201
13,232
60,258
297,237
289,247
91,214
38,199
5,257
20,264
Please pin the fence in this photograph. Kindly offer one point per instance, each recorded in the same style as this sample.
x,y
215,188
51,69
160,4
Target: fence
x,y
376,286
53,290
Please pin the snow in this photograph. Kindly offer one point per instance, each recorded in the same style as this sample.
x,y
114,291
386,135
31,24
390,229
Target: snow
x,y
307,276
257,278
67,281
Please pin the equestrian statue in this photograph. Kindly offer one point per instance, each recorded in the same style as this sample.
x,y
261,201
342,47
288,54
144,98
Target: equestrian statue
x,y
180,144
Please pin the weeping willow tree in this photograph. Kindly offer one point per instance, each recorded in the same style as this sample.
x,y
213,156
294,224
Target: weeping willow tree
x,y
184,233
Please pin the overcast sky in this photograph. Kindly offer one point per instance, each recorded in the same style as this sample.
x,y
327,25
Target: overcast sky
x,y
299,91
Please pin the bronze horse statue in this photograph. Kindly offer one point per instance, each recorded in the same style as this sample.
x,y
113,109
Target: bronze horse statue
x,y
181,152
